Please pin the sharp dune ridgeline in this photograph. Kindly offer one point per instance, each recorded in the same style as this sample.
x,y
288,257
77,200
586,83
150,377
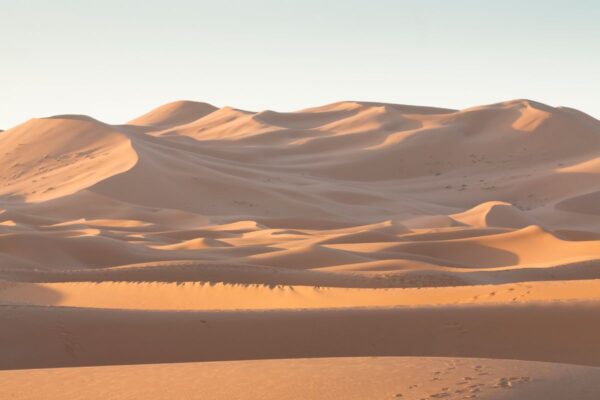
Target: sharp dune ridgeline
x,y
218,242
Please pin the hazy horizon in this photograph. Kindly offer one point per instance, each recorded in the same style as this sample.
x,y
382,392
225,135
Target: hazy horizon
x,y
116,61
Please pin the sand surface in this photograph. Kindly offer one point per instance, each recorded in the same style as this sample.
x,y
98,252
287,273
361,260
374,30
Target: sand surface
x,y
218,236
410,378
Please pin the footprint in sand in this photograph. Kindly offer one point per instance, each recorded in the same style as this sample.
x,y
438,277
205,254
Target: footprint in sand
x,y
510,382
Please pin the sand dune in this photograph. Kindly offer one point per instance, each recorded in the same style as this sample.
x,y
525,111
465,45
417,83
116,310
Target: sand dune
x,y
173,114
43,337
327,378
224,296
197,233
495,214
54,157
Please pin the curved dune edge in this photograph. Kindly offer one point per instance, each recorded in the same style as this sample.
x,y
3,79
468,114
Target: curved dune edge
x,y
497,214
48,158
319,379
175,113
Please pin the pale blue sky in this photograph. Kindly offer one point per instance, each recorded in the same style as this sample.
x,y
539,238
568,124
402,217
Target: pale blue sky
x,y
115,59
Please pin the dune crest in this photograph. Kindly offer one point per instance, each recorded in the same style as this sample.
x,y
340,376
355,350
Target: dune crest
x,y
497,214
172,114
48,158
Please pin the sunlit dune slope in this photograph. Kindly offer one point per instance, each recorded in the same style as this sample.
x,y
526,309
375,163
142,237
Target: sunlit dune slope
x,y
328,378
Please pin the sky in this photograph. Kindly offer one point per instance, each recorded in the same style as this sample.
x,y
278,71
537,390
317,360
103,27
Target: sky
x,y
117,59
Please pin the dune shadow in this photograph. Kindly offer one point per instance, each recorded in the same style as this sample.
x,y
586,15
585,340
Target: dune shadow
x,y
29,293
459,255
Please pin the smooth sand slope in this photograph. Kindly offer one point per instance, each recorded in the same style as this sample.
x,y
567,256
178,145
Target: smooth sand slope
x,y
195,233
325,378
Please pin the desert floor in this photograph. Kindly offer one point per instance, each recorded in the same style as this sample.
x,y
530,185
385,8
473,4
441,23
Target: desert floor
x,y
354,250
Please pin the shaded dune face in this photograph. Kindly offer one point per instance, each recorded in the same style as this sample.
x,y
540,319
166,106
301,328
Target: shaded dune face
x,y
404,230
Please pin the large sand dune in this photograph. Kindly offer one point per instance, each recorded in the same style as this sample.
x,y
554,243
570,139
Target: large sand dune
x,y
194,233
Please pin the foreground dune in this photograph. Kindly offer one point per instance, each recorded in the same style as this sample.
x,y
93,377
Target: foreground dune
x,y
328,378
196,234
